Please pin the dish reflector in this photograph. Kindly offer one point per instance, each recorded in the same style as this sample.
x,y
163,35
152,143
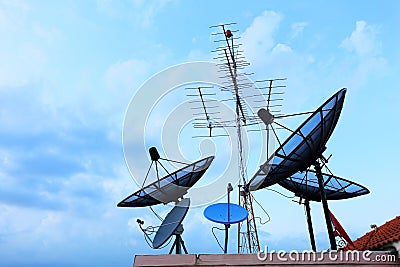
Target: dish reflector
x,y
169,188
219,213
303,146
171,223
305,185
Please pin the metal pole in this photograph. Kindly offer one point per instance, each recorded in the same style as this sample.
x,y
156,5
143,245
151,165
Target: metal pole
x,y
325,205
178,244
183,245
229,200
310,226
227,226
172,248
226,238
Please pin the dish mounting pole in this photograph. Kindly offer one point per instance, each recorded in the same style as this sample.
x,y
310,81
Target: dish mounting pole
x,y
310,226
178,242
324,202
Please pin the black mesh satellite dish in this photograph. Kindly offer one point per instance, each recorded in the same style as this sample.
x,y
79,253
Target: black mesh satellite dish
x,y
305,185
303,147
169,188
172,225
298,153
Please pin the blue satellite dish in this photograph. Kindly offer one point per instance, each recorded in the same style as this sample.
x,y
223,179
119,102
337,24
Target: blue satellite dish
x,y
219,213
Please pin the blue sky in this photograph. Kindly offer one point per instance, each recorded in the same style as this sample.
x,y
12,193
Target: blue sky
x,y
69,68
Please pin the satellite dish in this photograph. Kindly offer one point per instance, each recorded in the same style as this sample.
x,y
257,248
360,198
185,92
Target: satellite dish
x,y
171,224
219,213
303,147
226,214
305,185
169,188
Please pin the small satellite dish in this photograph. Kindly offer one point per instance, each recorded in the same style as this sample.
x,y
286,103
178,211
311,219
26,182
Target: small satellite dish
x,y
171,223
219,213
169,188
303,147
226,214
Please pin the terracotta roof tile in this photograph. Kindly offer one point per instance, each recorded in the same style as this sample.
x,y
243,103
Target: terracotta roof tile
x,y
386,233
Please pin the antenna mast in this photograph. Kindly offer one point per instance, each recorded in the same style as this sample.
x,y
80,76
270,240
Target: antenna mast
x,y
232,61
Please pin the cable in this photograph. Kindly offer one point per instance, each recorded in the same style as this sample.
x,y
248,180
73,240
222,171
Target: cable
x,y
148,231
148,241
212,230
280,193
269,217
158,216
167,243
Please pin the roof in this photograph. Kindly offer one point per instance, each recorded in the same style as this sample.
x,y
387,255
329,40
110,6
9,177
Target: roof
x,y
384,234
269,259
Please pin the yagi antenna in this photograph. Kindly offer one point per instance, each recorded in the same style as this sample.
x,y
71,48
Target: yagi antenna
x,y
207,109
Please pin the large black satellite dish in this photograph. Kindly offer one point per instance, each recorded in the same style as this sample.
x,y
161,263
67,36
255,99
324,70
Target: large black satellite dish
x,y
305,185
303,147
169,188
299,152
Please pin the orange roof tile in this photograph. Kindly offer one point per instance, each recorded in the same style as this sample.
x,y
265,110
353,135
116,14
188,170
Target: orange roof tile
x,y
384,234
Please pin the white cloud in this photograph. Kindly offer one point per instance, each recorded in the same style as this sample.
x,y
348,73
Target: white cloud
x,y
151,9
281,48
270,58
258,38
297,29
363,40
367,62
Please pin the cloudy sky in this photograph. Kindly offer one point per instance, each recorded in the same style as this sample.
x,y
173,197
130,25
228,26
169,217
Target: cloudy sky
x,y
68,70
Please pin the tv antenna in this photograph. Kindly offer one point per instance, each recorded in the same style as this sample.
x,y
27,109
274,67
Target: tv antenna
x,y
242,94
236,82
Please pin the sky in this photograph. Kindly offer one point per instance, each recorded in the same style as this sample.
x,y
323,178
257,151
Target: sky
x,y
69,69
